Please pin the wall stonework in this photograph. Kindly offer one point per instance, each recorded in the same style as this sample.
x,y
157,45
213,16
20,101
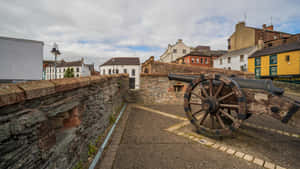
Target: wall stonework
x,y
49,124
158,89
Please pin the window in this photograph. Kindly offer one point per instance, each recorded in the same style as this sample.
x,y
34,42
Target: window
x,y
229,68
229,59
201,60
273,59
125,70
103,71
77,75
117,71
221,61
77,69
242,58
72,70
192,60
257,71
270,44
183,51
178,87
273,70
109,71
206,61
257,61
287,58
64,70
133,72
197,60
174,50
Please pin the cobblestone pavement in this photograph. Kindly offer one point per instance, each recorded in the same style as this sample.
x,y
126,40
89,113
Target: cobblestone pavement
x,y
158,137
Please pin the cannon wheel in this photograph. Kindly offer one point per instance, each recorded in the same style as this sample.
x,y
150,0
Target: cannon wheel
x,y
218,98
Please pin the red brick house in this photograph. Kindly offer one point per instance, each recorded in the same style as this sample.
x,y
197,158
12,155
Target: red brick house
x,y
200,57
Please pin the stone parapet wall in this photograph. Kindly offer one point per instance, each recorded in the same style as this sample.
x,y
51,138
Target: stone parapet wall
x,y
155,67
50,124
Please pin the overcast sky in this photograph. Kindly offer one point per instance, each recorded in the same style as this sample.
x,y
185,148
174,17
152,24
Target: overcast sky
x,y
100,29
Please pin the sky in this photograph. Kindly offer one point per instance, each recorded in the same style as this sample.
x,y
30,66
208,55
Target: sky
x,y
100,29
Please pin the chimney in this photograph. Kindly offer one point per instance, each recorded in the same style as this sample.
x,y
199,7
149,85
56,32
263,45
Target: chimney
x,y
240,25
260,44
271,27
264,26
179,40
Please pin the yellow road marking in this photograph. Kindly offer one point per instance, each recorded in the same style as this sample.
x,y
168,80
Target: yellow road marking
x,y
160,113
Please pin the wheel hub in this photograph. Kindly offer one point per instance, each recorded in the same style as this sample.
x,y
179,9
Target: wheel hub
x,y
211,105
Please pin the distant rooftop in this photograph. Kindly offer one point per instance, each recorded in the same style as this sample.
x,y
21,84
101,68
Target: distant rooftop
x,y
277,49
122,61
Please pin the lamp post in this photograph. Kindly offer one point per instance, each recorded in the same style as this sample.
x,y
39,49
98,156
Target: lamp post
x,y
56,52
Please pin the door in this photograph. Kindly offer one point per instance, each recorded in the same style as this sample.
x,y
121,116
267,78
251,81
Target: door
x,y
131,83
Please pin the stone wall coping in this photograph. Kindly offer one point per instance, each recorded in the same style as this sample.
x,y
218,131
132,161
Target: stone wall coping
x,y
205,68
166,74
18,92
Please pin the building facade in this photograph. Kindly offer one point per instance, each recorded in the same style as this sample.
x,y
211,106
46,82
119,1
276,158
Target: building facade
x,y
200,57
278,63
245,36
175,51
235,60
129,65
21,60
78,67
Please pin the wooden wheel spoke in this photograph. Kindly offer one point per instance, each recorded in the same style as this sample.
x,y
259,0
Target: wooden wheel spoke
x,y
212,121
197,95
196,103
227,115
220,121
203,90
219,89
226,96
229,106
211,87
203,118
193,114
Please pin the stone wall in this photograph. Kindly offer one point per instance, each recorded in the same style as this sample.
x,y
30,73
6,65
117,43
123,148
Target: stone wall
x,y
50,124
155,67
158,89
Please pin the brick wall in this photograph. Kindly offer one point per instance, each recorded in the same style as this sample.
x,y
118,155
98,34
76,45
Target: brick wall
x,y
49,124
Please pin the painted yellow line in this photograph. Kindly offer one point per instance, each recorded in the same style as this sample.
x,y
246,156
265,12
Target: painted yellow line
x,y
272,130
226,149
160,112
178,126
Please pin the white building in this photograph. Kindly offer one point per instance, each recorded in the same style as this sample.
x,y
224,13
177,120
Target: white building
x,y
129,65
175,51
235,60
79,68
20,59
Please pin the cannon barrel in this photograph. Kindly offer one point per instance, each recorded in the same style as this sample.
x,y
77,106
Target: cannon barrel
x,y
266,85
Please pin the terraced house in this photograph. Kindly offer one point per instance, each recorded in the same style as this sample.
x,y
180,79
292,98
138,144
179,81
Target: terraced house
x,y
278,63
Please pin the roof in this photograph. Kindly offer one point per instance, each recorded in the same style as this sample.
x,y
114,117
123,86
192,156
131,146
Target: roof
x,y
69,64
277,49
122,61
208,53
18,39
240,51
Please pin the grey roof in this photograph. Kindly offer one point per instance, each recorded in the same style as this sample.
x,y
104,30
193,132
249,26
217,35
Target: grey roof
x,y
277,49
240,51
69,64
18,39
123,61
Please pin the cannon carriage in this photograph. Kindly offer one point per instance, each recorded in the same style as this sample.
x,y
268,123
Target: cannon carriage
x,y
217,105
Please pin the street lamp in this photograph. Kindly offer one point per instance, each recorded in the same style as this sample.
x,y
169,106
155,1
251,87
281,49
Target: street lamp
x,y
56,52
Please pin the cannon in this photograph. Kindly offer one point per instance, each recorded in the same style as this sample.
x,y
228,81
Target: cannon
x,y
217,105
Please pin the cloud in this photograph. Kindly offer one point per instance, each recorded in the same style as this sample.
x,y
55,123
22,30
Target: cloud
x,y
99,29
